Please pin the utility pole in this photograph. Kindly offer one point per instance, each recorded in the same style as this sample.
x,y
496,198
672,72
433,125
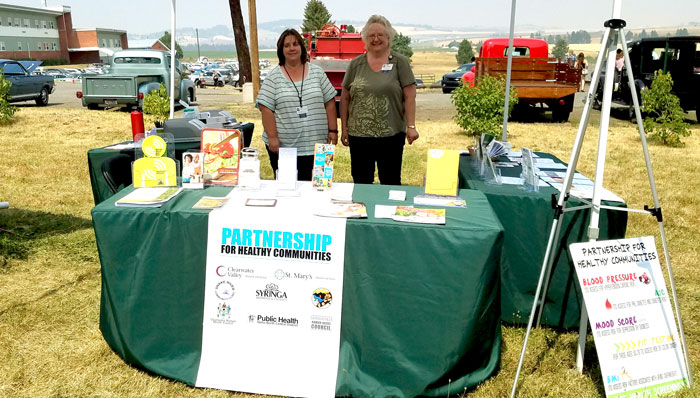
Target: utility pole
x,y
196,30
254,61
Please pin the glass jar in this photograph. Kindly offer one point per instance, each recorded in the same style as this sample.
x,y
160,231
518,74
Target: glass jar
x,y
249,171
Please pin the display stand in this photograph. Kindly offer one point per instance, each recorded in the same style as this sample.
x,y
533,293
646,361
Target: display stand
x,y
614,33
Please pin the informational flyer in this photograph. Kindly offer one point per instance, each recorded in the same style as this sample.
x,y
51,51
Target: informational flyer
x,y
322,175
273,297
631,318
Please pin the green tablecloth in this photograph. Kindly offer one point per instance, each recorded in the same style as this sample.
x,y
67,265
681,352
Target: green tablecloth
x,y
527,219
421,311
97,156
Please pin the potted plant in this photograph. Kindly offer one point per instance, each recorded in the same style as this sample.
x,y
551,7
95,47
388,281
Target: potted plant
x,y
157,105
480,107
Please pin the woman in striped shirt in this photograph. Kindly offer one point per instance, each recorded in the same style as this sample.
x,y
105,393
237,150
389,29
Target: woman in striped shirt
x,y
297,103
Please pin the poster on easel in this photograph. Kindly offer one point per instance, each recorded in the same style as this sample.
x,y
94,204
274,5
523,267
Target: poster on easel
x,y
633,325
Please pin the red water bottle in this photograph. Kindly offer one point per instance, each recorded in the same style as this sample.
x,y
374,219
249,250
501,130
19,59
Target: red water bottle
x,y
136,124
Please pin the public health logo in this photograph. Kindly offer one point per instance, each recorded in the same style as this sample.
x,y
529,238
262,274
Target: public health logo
x,y
322,297
224,290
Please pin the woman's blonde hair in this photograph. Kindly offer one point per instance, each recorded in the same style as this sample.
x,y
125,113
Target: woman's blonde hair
x,y
390,31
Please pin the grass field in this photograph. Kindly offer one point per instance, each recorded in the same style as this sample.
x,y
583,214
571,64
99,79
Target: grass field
x,y
50,343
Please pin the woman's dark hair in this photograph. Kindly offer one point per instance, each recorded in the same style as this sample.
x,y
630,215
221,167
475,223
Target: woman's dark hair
x,y
280,45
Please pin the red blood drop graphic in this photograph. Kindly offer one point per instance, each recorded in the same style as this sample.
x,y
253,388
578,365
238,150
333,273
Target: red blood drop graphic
x,y
607,304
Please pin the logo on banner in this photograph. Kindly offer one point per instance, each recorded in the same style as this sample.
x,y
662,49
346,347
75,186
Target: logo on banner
x,y
232,272
322,297
224,290
271,292
282,274
273,320
223,311
322,323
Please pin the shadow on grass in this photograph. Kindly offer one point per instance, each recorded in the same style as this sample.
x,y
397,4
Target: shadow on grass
x,y
19,229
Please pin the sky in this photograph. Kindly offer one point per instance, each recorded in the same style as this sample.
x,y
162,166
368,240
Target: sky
x,y
146,16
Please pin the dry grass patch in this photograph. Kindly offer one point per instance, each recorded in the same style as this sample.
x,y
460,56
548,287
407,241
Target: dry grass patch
x,y
50,343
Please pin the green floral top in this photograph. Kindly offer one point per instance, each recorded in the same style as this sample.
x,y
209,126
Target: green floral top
x,y
376,98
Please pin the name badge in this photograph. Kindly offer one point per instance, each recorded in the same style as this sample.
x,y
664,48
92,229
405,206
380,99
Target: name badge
x,y
387,67
302,111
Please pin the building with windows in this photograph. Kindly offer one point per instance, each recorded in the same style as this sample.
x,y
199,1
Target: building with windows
x,y
47,33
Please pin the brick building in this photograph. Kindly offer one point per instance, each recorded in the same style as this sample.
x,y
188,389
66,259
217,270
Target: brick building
x,y
48,33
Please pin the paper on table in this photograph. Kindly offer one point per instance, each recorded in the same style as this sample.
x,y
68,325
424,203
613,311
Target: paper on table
x,y
511,180
342,192
397,195
118,147
384,211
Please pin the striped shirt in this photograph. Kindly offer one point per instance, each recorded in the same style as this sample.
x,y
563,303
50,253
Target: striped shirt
x,y
279,95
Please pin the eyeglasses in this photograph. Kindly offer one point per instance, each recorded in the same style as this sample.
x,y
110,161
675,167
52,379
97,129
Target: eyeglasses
x,y
376,36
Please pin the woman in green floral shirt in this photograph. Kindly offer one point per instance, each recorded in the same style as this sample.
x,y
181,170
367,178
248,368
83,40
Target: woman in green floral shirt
x,y
378,106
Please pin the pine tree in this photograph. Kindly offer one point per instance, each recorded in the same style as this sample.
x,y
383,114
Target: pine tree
x,y
402,45
465,52
165,39
245,72
560,49
315,16
350,29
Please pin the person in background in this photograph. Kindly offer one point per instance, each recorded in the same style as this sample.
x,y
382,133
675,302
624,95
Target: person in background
x,y
583,67
378,106
297,103
619,60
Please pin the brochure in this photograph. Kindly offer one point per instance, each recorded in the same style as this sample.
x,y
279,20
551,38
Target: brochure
x,y
210,202
322,174
421,216
343,210
439,200
192,170
148,197
222,149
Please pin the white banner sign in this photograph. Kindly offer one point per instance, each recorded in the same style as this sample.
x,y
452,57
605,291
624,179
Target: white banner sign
x,y
273,295
631,318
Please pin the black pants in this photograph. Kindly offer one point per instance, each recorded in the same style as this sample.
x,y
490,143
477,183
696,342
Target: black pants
x,y
386,152
304,165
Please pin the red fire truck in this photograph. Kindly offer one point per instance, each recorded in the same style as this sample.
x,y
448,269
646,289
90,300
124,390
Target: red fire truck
x,y
332,48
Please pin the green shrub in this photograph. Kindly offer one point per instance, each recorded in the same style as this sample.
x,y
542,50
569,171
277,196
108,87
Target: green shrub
x,y
157,104
665,117
7,111
480,108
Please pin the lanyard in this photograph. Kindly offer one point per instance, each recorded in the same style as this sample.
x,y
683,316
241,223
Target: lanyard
x,y
303,71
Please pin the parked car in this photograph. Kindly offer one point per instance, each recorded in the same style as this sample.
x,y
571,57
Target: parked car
x,y
679,56
451,80
25,86
204,78
225,76
133,75
419,83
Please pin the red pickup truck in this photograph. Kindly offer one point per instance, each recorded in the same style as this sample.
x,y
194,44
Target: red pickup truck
x,y
538,78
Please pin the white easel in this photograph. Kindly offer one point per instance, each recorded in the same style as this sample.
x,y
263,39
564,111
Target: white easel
x,y
614,33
